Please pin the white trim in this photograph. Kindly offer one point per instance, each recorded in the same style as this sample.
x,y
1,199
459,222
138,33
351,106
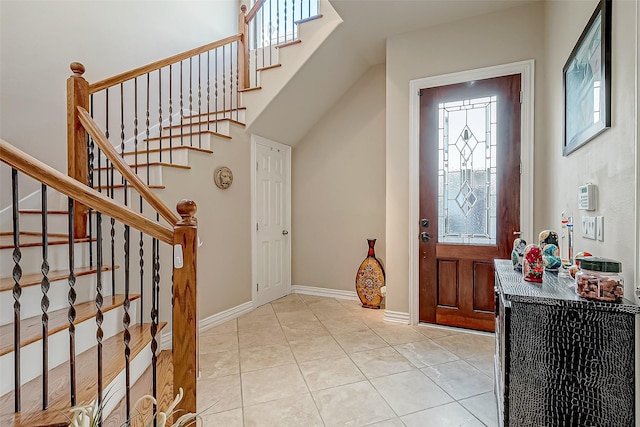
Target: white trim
x,y
396,317
255,139
325,292
526,70
217,319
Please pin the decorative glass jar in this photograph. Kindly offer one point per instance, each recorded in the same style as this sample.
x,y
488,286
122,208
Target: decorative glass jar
x,y
532,266
599,279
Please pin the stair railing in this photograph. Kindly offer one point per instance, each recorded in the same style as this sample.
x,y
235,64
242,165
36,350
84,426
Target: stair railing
x,y
181,232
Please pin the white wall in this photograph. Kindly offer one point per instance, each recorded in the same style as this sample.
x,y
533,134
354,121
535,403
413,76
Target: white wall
x,y
504,37
338,188
39,39
608,160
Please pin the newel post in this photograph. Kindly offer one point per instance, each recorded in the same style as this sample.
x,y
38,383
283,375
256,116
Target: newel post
x,y
77,167
243,48
185,303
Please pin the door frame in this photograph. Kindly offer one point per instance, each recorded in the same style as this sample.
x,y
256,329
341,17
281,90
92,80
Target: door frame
x,y
526,71
255,139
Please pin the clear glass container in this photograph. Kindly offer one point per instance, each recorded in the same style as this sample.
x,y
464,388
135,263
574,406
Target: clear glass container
x,y
599,279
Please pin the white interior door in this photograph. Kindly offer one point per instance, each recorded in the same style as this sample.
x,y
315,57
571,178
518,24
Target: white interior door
x,y
272,272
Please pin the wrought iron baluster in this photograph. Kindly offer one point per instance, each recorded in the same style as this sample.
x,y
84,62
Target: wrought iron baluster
x,y
170,113
231,81
191,102
135,124
255,54
224,84
72,309
215,66
110,192
122,148
160,114
126,321
90,160
181,105
209,90
277,23
154,319
147,124
17,290
270,32
99,302
200,100
238,59
284,12
44,302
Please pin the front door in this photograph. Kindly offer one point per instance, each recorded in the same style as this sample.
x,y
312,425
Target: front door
x,y
469,196
272,217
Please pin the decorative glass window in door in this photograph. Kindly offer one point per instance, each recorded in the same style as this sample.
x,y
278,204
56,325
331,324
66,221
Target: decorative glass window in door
x,y
467,171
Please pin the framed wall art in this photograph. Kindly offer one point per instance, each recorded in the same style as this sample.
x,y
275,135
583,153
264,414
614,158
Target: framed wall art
x,y
587,82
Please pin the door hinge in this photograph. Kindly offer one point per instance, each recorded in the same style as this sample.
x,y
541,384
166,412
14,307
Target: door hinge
x,y
257,287
521,98
520,167
257,227
420,92
256,165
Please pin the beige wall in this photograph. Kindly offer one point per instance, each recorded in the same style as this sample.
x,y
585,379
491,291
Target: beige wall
x,y
607,161
338,188
39,39
509,36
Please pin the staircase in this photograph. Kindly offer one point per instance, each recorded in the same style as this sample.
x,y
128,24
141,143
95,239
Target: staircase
x,y
105,301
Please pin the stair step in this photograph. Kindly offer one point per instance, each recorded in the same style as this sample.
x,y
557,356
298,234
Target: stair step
x,y
144,385
289,43
31,328
6,284
232,113
154,169
58,412
269,67
33,239
250,89
221,126
308,19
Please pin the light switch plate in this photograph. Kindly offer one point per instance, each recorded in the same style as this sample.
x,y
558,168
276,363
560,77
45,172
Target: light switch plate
x,y
600,228
589,227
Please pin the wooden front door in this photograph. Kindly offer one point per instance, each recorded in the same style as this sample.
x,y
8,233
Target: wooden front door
x,y
469,196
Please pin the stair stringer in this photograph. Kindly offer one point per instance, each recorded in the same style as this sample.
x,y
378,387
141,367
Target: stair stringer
x,y
312,34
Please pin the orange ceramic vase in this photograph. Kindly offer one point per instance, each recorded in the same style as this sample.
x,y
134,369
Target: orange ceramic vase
x,y
370,278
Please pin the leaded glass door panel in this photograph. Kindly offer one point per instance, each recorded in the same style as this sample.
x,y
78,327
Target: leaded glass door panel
x,y
470,193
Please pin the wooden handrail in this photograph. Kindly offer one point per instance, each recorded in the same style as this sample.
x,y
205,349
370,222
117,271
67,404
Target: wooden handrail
x,y
124,169
137,72
254,9
86,195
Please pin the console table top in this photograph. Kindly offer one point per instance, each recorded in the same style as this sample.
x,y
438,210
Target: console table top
x,y
553,290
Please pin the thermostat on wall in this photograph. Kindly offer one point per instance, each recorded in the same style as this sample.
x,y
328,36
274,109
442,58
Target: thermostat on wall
x,y
587,197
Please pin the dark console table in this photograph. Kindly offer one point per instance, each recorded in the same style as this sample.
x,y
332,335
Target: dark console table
x,y
561,360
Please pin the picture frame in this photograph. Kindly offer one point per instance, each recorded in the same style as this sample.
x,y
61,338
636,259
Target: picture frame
x,y
586,81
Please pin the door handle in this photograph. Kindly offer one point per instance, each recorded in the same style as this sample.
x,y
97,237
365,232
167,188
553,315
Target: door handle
x,y
424,236
285,232
424,222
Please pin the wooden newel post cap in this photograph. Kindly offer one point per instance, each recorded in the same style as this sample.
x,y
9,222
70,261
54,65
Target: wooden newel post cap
x,y
187,210
77,68
243,8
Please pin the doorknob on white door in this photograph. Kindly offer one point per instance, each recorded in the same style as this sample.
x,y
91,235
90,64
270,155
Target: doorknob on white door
x,y
285,232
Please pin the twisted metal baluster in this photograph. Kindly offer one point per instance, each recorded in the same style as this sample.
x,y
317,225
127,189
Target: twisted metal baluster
x,y
44,302
99,302
154,320
72,309
238,53
191,102
215,67
200,100
126,322
181,105
170,112
110,192
135,124
224,85
160,114
209,90
148,131
17,290
122,148
90,159
231,81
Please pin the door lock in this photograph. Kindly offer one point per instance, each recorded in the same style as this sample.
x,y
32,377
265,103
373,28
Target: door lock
x,y
424,236
424,222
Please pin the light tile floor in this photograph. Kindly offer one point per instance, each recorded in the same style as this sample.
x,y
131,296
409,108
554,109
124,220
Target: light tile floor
x,y
314,361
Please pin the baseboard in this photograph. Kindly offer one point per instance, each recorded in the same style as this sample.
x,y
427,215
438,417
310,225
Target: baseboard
x,y
211,322
324,292
396,317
